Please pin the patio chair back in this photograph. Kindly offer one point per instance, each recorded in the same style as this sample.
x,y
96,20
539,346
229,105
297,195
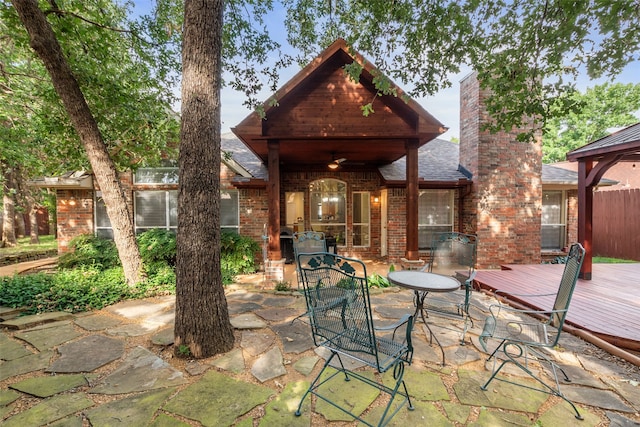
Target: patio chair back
x,y
568,282
308,242
453,254
337,296
523,338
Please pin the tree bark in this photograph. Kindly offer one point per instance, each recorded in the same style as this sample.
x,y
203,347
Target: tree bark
x,y
9,208
32,208
44,43
202,318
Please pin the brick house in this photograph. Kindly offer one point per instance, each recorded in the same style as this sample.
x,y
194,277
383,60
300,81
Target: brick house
x,y
380,185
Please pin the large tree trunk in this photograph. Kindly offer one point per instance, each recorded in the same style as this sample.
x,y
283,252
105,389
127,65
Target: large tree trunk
x,y
202,318
32,208
45,44
9,208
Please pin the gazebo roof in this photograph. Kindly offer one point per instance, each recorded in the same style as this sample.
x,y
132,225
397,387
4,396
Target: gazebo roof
x,y
624,143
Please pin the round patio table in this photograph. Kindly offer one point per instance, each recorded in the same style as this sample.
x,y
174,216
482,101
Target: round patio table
x,y
421,283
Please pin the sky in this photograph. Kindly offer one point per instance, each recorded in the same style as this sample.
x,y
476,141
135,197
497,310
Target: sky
x,y
444,106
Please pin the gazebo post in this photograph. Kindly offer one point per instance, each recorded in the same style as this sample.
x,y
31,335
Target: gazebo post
x,y
585,217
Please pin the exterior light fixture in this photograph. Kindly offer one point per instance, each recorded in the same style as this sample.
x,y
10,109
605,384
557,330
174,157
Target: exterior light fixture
x,y
333,165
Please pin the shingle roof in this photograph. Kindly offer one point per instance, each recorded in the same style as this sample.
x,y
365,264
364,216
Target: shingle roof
x,y
627,135
241,154
437,161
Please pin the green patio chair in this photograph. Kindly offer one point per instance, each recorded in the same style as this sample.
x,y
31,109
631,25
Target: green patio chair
x,y
337,297
525,334
453,254
307,242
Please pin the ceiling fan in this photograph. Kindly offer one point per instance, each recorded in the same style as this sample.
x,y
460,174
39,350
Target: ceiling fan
x,y
335,163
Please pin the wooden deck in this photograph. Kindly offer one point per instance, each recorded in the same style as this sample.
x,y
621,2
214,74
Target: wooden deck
x,y
607,306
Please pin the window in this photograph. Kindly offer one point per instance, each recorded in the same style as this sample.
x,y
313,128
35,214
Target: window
x,y
229,211
159,209
554,223
156,209
163,175
435,215
328,207
102,222
361,218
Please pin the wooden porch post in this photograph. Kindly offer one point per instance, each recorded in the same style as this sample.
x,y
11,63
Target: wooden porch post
x,y
585,216
273,193
411,251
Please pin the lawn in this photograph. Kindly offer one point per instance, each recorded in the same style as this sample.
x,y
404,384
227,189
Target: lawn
x,y
46,243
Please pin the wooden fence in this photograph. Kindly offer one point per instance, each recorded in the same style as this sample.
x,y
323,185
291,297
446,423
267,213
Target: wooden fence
x,y
616,224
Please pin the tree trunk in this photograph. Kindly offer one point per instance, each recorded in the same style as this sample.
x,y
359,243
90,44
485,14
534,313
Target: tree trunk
x,y
9,208
45,44
32,207
202,318
21,228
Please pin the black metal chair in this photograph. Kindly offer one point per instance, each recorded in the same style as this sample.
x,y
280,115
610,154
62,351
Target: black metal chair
x,y
337,296
525,337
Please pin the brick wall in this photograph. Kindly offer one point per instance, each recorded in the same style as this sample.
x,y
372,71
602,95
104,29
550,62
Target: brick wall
x,y
506,199
75,215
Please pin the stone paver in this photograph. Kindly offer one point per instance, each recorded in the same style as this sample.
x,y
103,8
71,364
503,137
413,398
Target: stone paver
x,y
244,387
141,370
217,400
87,354
25,322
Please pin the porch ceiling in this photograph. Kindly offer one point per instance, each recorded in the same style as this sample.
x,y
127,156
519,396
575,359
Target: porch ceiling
x,y
316,152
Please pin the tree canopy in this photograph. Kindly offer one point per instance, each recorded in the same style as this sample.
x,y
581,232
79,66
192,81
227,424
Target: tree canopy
x,y
601,108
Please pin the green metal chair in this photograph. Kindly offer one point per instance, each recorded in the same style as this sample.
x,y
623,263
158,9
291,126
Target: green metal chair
x,y
337,297
453,254
307,242
524,338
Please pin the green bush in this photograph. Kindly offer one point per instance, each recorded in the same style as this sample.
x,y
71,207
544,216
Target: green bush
x,y
89,250
74,290
237,255
91,277
157,245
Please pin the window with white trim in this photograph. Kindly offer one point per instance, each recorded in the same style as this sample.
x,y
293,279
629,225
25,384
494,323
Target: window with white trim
x,y
156,209
161,175
229,210
101,219
435,214
554,220
361,218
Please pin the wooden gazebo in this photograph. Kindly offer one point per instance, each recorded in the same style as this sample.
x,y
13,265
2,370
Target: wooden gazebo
x,y
594,159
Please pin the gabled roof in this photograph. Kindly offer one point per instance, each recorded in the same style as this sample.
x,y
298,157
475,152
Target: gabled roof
x,y
317,115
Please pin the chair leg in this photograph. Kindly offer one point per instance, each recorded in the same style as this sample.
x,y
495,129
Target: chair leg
x,y
512,358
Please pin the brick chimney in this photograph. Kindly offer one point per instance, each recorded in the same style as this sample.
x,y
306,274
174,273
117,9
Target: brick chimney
x,y
505,203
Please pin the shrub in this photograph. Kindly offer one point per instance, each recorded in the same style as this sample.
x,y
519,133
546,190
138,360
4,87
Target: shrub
x,y
157,245
237,255
89,250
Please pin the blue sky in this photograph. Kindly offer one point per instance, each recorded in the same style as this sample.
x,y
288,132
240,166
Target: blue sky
x,y
444,106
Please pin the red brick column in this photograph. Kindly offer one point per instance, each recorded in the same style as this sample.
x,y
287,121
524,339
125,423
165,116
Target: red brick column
x,y
506,199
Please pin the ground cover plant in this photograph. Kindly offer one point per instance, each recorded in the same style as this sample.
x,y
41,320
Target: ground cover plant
x,y
90,276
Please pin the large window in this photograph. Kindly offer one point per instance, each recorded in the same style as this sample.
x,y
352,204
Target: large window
x,y
328,205
435,215
159,209
361,218
554,223
156,209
